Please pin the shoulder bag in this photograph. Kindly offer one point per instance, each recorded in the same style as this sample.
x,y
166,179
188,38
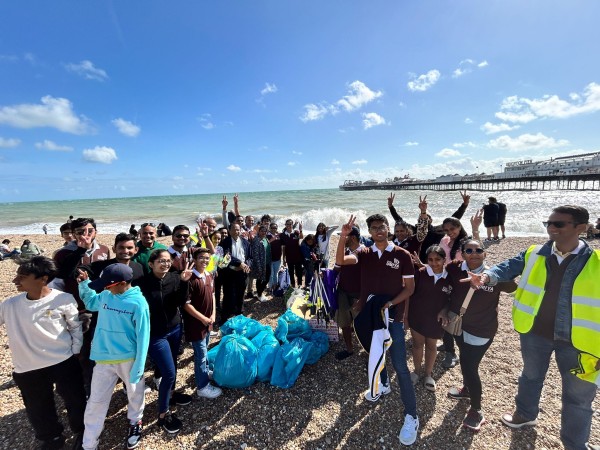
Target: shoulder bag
x,y
455,320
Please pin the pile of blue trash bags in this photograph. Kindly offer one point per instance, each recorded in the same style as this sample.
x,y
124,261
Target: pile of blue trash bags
x,y
250,351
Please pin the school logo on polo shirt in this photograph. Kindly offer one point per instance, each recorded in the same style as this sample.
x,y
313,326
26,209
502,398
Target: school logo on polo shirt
x,y
393,264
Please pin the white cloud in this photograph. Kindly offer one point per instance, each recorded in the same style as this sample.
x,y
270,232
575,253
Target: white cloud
x,y
411,144
233,168
104,155
358,96
423,82
262,171
9,143
466,66
292,163
335,162
268,89
522,110
468,121
447,153
87,70
492,128
52,112
125,127
294,152
206,121
526,142
313,112
52,146
372,120
464,144
360,162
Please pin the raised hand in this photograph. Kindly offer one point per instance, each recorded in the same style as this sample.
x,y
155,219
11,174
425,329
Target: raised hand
x,y
391,199
187,272
416,260
84,240
347,227
477,280
236,197
423,204
82,275
224,202
466,198
477,219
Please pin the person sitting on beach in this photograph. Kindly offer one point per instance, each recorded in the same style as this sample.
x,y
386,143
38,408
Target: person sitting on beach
x,y
323,236
44,338
147,245
6,252
491,212
119,349
348,293
556,311
432,293
479,325
70,219
29,250
133,230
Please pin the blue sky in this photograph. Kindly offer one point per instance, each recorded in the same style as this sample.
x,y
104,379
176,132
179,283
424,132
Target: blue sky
x,y
112,99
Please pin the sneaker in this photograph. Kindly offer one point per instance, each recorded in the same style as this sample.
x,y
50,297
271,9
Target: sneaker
x,y
386,389
211,375
180,399
408,433
135,435
54,444
214,333
263,298
450,360
414,377
441,348
170,423
209,391
156,382
516,420
459,394
473,420
370,398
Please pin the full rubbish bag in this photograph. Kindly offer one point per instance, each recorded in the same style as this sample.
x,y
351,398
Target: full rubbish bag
x,y
267,346
320,346
242,325
291,326
236,362
289,362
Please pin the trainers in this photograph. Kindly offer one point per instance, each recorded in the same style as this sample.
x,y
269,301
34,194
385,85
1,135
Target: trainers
x,y
180,399
386,389
170,423
408,433
450,360
263,298
135,435
209,391
370,398
441,348
414,377
473,420
210,375
459,394
516,420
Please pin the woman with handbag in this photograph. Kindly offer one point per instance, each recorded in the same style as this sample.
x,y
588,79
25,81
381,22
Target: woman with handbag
x,y
477,310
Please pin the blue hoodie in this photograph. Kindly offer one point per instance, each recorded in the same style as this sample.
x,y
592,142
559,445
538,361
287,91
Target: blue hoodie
x,y
123,329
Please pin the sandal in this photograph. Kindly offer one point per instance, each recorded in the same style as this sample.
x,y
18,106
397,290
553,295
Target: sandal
x,y
429,384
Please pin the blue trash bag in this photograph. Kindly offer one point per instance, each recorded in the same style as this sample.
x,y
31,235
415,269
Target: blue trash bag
x,y
244,326
289,362
211,355
267,346
291,326
236,362
320,346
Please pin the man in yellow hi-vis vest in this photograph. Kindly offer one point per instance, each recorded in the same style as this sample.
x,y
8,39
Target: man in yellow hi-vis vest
x,y
556,309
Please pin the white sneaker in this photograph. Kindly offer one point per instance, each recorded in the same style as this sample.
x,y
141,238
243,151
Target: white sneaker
x,y
211,375
263,298
209,391
414,377
157,382
214,333
386,389
370,398
408,433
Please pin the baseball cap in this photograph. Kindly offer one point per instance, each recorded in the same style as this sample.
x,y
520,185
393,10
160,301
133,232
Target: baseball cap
x,y
115,273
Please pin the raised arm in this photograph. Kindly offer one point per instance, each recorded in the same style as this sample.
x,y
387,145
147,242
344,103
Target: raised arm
x,y
393,211
224,212
423,221
340,258
463,207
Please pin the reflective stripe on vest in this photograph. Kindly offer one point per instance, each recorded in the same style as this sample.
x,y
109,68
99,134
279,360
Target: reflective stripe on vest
x,y
585,302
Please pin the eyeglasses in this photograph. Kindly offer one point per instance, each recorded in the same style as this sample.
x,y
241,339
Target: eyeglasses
x,y
204,258
183,236
470,251
379,228
84,231
556,223
164,261
148,224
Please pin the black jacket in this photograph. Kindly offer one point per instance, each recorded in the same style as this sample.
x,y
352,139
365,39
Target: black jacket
x,y
164,297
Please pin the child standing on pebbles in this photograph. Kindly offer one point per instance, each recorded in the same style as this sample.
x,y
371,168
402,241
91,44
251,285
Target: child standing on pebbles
x,y
119,348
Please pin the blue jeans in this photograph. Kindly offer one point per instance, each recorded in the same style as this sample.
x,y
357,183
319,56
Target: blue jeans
x,y
398,352
577,395
163,351
200,366
275,265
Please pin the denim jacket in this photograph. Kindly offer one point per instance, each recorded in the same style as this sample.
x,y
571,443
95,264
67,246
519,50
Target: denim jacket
x,y
513,267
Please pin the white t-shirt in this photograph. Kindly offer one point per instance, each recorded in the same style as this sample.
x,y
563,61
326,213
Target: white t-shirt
x,y
41,333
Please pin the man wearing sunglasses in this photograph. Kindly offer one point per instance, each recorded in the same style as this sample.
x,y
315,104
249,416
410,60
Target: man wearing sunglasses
x,y
556,310
146,245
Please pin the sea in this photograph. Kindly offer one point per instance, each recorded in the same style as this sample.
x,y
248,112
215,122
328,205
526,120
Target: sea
x,y
526,209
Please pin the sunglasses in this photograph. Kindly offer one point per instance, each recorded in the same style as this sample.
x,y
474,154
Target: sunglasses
x,y
470,251
556,223
148,224
84,231
184,236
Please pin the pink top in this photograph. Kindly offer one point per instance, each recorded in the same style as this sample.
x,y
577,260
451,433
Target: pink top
x,y
446,244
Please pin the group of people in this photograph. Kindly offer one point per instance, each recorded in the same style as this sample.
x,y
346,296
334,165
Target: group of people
x,y
138,305
27,250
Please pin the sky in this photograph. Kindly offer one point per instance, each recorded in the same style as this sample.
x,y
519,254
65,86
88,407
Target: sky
x,y
134,98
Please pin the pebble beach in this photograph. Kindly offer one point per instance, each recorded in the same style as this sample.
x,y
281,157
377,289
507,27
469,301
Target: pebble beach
x,y
325,409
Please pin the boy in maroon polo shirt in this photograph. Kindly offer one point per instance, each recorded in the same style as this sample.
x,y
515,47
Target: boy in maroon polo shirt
x,y
386,269
200,311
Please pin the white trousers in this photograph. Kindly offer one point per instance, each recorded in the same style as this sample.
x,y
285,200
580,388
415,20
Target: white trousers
x,y
104,379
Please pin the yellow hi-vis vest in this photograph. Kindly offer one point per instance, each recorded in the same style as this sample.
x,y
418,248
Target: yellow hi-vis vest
x,y
585,302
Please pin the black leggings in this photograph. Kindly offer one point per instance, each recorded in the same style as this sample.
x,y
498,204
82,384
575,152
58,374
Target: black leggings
x,y
470,358
296,270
